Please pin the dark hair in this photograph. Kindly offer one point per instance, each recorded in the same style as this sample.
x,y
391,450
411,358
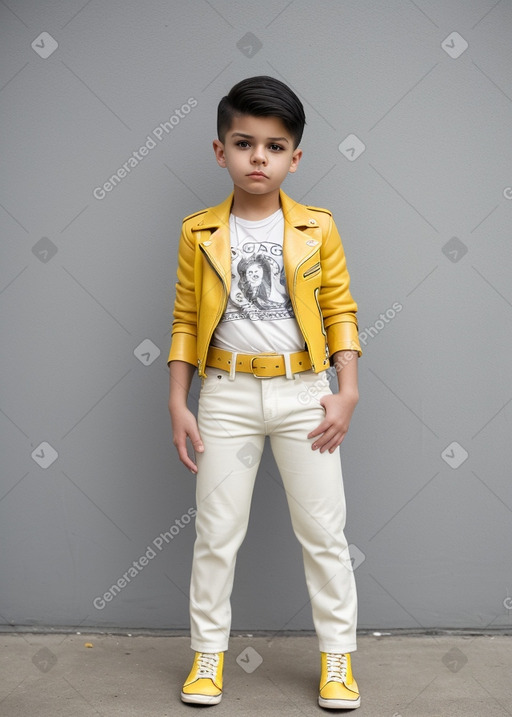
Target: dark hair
x,y
262,96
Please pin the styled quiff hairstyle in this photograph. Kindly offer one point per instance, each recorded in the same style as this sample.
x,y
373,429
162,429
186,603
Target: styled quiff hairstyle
x,y
262,96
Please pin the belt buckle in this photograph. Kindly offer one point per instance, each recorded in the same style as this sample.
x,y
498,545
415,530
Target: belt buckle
x,y
254,369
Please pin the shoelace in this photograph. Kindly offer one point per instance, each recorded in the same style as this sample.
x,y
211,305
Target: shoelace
x,y
207,664
336,667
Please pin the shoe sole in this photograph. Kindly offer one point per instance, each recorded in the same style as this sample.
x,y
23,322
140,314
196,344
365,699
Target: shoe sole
x,y
339,704
201,699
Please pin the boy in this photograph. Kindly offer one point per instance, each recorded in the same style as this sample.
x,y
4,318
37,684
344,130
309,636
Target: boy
x,y
262,308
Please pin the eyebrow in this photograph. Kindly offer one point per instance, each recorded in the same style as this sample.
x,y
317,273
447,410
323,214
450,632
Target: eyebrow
x,y
250,136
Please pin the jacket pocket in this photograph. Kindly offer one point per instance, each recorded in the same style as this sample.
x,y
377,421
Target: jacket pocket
x,y
312,271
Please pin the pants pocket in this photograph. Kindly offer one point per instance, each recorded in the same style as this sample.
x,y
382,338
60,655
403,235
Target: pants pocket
x,y
212,382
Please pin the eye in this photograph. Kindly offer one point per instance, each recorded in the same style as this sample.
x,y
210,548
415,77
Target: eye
x,y
243,144
276,147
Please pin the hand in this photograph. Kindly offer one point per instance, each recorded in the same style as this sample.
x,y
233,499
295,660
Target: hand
x,y
184,424
339,408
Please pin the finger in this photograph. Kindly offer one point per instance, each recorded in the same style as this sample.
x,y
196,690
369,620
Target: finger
x,y
336,442
181,447
187,461
324,440
197,444
329,446
195,439
330,440
321,428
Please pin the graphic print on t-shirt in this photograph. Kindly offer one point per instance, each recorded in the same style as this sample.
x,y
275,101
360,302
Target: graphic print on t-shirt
x,y
258,287
259,315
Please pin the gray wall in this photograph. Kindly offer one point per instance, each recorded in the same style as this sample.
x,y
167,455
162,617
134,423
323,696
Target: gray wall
x,y
87,288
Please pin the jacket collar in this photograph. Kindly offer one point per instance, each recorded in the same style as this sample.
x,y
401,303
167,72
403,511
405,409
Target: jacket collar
x,y
297,244
215,217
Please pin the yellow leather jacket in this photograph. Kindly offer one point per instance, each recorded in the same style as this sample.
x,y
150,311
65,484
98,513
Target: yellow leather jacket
x,y
316,276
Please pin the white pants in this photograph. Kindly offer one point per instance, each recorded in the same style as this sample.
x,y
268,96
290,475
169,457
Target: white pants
x,y
234,417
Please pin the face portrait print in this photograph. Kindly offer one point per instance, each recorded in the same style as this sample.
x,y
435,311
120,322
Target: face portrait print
x,y
254,274
260,286
255,280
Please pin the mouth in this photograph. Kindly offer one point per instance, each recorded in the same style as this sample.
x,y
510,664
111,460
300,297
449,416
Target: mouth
x,y
257,174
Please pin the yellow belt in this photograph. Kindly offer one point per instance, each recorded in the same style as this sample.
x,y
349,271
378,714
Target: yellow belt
x,y
260,365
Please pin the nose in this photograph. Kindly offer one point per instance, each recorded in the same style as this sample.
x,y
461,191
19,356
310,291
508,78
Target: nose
x,y
258,155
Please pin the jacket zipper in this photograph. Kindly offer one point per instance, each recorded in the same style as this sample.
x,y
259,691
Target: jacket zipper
x,y
295,307
322,324
320,312
225,301
312,270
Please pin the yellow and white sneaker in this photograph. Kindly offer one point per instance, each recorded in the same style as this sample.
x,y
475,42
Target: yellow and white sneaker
x,y
203,686
338,689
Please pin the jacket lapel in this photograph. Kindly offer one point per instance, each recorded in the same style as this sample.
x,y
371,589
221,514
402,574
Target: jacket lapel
x,y
214,239
298,244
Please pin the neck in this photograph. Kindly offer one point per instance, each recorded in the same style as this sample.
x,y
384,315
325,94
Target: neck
x,y
254,206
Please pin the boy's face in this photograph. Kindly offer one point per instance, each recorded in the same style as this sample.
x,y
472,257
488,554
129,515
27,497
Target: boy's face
x,y
258,153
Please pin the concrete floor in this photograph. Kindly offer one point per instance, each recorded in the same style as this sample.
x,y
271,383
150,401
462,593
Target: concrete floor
x,y
56,675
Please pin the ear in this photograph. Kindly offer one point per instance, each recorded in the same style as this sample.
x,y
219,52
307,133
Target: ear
x,y
220,154
297,154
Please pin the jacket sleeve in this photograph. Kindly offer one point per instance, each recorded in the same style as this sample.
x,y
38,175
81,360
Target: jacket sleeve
x,y
338,307
184,327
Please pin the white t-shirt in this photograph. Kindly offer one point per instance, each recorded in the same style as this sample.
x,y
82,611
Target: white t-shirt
x,y
259,316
